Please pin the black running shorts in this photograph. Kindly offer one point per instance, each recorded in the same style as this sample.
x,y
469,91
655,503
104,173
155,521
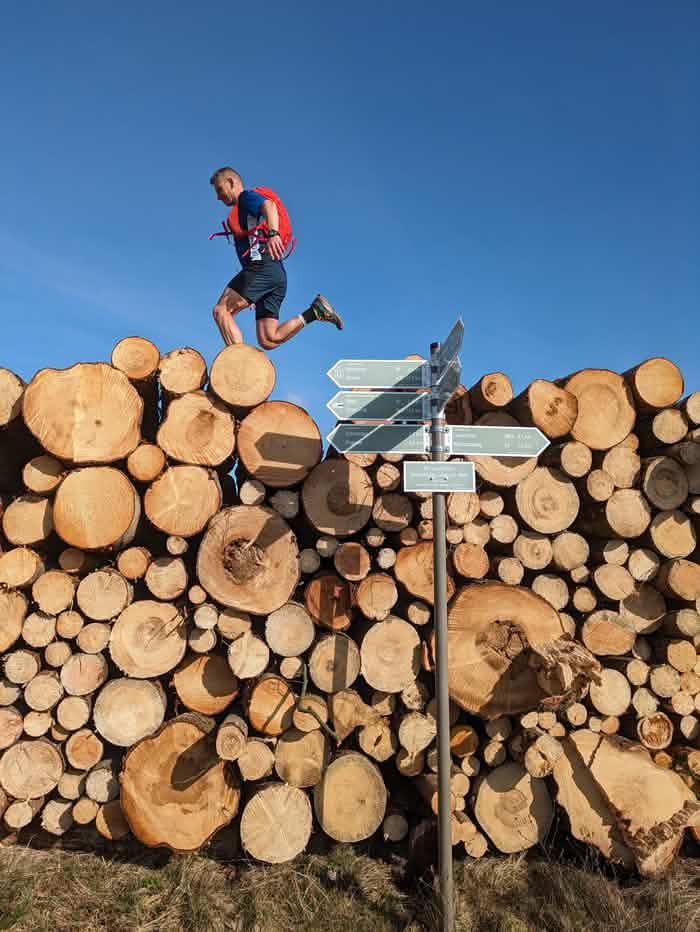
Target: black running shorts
x,y
264,284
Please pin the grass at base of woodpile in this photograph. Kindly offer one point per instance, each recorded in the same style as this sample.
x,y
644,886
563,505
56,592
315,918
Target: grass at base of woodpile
x,y
54,891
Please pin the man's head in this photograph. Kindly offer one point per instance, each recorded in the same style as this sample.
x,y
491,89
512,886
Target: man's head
x,y
228,184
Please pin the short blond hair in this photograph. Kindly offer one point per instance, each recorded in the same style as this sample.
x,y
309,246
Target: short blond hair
x,y
225,172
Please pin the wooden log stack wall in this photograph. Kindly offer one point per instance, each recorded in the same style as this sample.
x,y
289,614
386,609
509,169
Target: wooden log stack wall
x,y
181,648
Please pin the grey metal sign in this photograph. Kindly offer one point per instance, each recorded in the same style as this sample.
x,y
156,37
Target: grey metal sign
x,y
380,406
384,438
438,477
496,441
380,373
452,345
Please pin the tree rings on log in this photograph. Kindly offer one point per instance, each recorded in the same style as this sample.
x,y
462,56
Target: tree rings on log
x,y
146,463
96,508
148,639
514,810
103,594
334,663
11,392
276,823
242,376
174,789
414,570
271,705
491,629
82,674
350,801
198,430
182,500
547,500
656,383
249,559
166,578
13,611
376,595
127,710
329,601
136,357
337,497
248,656
390,655
43,474
606,412
84,749
279,444
30,768
28,520
182,370
301,757
110,821
90,413
205,683
605,634
543,404
20,567
289,631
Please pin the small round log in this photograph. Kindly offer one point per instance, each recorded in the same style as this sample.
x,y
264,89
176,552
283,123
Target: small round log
x,y
146,462
547,501
350,801
182,500
126,710
42,475
414,570
276,823
69,624
30,769
148,639
606,634
103,594
289,631
73,712
231,739
256,761
606,412
673,534
44,691
335,663
329,601
28,520
337,497
248,656
271,705
242,376
96,508
390,655
301,757
182,370
136,357
514,811
166,578
612,694
279,444
376,596
39,629
20,567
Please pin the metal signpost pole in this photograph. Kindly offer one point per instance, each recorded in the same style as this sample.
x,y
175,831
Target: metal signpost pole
x,y
438,450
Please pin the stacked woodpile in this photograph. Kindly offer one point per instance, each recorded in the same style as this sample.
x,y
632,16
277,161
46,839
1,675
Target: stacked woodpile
x,y
182,644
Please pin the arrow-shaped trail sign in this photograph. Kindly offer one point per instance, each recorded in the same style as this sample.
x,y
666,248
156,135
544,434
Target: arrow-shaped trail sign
x,y
497,441
380,406
380,373
452,345
384,438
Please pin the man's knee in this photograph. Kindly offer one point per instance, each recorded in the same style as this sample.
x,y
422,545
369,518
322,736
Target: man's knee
x,y
266,343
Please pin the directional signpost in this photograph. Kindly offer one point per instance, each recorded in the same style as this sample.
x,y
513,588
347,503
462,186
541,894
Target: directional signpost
x,y
412,392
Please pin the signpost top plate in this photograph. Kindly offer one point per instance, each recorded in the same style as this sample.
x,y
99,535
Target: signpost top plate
x,y
380,373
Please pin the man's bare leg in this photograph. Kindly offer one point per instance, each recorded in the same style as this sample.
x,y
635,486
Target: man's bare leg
x,y
228,305
272,334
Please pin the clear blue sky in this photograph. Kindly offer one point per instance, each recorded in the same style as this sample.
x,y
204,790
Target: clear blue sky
x,y
532,167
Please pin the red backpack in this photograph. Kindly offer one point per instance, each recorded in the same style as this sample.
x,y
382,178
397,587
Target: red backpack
x,y
259,233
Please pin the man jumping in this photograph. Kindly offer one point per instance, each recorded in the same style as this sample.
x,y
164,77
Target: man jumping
x,y
262,280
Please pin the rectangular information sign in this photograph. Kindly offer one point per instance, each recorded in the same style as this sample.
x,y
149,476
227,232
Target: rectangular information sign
x,y
438,477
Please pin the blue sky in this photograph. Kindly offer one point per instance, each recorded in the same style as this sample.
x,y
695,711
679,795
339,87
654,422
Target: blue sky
x,y
531,167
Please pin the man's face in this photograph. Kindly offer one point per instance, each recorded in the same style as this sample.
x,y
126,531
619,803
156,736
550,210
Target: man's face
x,y
226,191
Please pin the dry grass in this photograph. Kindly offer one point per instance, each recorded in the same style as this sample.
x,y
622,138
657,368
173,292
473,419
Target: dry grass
x,y
54,891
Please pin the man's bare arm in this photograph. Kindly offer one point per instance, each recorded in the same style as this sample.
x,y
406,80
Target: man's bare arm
x,y
275,247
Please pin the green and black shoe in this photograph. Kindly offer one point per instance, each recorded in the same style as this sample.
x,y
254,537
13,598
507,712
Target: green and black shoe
x,y
324,310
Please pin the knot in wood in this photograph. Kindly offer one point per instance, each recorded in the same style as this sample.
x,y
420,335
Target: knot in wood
x,y
243,559
505,638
